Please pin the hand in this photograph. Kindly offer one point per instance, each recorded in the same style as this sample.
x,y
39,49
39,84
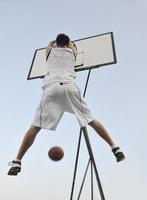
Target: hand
x,y
50,45
71,45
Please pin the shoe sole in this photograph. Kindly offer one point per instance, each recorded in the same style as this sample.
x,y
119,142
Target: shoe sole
x,y
14,171
121,158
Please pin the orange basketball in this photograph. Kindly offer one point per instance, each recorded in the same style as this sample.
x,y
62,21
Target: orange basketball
x,y
56,153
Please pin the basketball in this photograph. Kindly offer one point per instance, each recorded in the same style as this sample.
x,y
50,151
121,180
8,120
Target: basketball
x,y
56,153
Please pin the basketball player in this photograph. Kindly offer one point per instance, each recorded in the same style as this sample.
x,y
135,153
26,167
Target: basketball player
x,y
60,94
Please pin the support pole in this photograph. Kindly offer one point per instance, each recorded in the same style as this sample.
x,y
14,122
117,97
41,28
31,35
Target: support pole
x,y
83,180
76,164
91,181
93,162
85,133
79,142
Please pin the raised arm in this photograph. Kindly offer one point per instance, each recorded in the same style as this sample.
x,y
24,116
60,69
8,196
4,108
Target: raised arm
x,y
50,45
73,47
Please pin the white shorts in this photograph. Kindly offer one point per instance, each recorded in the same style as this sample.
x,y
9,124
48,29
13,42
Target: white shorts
x,y
59,98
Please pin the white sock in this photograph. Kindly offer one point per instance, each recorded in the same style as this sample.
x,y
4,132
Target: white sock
x,y
17,160
113,146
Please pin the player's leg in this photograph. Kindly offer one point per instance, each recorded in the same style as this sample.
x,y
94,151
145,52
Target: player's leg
x,y
102,132
26,143
78,106
99,128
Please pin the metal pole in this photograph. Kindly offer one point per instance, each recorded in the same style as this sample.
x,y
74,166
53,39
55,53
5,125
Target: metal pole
x,y
91,181
76,164
93,161
87,81
83,180
90,154
79,142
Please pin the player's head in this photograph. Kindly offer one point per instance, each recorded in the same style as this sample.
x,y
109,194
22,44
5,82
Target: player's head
x,y
62,40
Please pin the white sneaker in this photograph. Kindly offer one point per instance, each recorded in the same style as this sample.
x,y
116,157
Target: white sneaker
x,y
15,168
118,154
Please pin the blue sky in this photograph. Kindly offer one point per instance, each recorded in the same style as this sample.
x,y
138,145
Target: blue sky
x,y
117,96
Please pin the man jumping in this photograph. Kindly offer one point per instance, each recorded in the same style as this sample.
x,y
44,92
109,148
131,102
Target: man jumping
x,y
60,94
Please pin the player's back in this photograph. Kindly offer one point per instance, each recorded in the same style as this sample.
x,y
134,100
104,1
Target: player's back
x,y
61,62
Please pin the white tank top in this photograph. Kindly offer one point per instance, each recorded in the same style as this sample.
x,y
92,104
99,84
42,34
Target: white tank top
x,y
61,62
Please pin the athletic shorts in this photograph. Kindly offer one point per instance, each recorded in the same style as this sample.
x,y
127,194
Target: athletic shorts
x,y
58,98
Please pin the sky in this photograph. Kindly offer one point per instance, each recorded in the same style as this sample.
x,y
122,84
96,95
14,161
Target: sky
x,y
116,95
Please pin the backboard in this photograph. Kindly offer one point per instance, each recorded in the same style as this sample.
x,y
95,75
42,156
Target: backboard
x,y
92,52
